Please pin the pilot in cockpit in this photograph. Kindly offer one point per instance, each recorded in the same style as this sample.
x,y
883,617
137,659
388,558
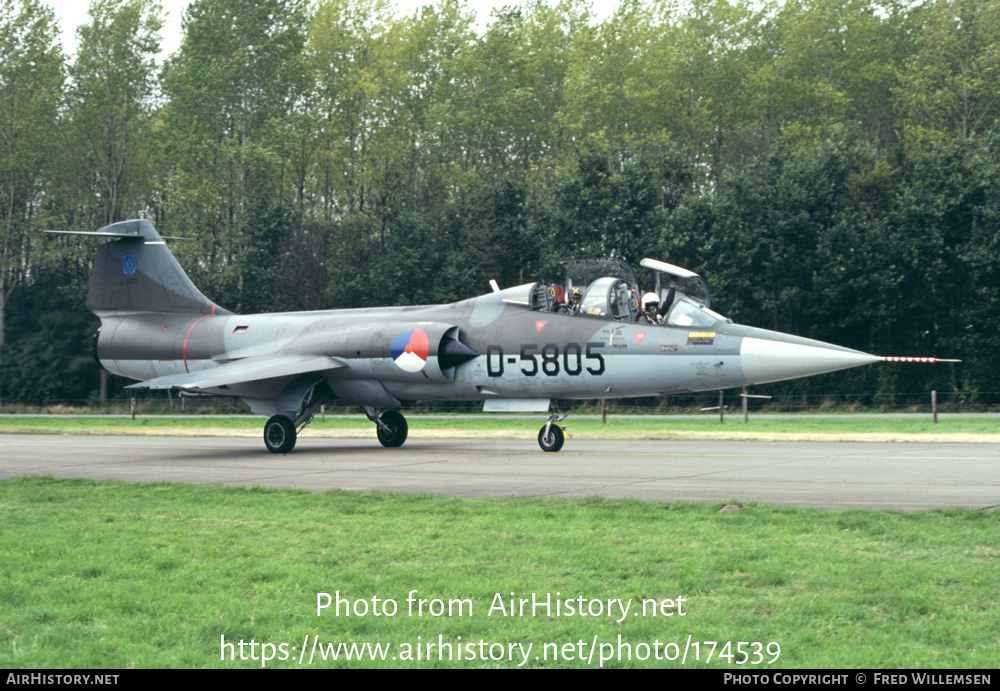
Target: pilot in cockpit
x,y
653,311
649,314
558,299
575,296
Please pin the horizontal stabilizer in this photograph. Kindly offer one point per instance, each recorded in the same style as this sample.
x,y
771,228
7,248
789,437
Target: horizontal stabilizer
x,y
92,233
137,228
102,234
243,371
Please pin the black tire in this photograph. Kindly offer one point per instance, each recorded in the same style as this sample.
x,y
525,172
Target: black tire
x,y
279,434
554,440
398,428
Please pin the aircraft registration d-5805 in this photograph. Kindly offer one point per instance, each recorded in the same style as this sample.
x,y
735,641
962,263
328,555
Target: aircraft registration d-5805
x,y
519,349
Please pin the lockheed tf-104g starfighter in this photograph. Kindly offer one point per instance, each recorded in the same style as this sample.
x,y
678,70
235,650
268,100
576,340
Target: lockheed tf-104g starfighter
x,y
518,349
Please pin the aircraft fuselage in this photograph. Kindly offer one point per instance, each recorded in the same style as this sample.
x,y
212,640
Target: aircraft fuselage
x,y
522,353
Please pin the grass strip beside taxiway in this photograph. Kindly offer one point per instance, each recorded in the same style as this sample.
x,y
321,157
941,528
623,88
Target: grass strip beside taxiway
x,y
761,427
111,575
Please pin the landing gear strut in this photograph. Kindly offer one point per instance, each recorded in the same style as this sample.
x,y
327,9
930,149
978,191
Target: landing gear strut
x,y
551,436
390,427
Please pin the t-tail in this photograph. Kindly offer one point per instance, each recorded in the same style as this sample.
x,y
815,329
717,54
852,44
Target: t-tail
x,y
137,273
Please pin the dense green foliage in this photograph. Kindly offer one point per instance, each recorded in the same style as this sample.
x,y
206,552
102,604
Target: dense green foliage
x,y
832,168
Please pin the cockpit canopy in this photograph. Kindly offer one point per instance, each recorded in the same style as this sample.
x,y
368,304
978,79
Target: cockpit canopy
x,y
609,297
686,282
583,272
608,289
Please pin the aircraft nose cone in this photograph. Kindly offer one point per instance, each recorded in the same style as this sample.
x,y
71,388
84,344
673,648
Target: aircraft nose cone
x,y
765,361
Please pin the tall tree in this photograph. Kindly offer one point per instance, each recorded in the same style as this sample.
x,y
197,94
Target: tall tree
x,y
833,64
615,95
952,84
31,75
110,102
231,88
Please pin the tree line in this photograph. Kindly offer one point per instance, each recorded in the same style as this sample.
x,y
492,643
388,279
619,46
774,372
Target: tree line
x,y
831,167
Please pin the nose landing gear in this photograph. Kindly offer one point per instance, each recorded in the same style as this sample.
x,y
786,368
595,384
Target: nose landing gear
x,y
552,436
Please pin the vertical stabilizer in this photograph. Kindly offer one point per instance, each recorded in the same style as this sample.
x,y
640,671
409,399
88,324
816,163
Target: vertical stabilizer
x,y
137,273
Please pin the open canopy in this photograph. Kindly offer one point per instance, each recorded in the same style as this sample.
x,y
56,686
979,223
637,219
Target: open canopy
x,y
684,281
606,288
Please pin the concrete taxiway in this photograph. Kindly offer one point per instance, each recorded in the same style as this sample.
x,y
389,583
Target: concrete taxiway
x,y
901,476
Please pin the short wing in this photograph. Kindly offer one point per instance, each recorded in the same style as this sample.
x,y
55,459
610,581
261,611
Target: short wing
x,y
242,371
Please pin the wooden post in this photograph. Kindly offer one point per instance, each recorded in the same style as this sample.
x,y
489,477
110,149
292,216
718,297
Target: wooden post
x,y
131,405
722,410
934,405
746,411
604,411
322,413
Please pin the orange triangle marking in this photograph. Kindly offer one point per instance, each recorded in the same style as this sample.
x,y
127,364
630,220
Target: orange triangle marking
x,y
539,325
639,335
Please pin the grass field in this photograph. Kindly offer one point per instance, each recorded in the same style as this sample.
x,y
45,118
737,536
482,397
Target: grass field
x,y
113,575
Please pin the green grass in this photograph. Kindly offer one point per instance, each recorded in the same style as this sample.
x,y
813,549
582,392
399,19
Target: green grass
x,y
619,427
114,575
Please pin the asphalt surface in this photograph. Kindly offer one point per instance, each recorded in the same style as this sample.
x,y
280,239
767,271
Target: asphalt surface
x,y
820,475
731,412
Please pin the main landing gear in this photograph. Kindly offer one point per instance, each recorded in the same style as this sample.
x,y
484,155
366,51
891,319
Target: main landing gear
x,y
279,434
280,431
390,427
552,436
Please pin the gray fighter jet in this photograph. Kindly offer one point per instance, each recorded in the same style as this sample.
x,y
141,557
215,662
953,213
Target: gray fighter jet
x,y
519,349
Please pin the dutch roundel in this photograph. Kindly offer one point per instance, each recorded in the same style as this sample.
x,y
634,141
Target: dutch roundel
x,y
409,350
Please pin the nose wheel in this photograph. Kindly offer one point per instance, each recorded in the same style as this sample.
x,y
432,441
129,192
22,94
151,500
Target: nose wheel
x,y
551,436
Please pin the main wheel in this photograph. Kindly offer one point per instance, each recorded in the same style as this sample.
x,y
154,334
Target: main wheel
x,y
552,441
279,434
396,434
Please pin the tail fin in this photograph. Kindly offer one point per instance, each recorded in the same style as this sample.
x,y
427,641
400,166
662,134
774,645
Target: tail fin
x,y
137,273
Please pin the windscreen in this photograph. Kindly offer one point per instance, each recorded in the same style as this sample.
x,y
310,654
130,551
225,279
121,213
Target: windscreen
x,y
693,287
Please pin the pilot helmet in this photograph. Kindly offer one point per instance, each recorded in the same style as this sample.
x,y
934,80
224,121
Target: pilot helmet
x,y
650,302
575,295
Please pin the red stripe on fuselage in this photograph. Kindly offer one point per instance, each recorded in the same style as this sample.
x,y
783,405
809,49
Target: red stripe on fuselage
x,y
186,341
